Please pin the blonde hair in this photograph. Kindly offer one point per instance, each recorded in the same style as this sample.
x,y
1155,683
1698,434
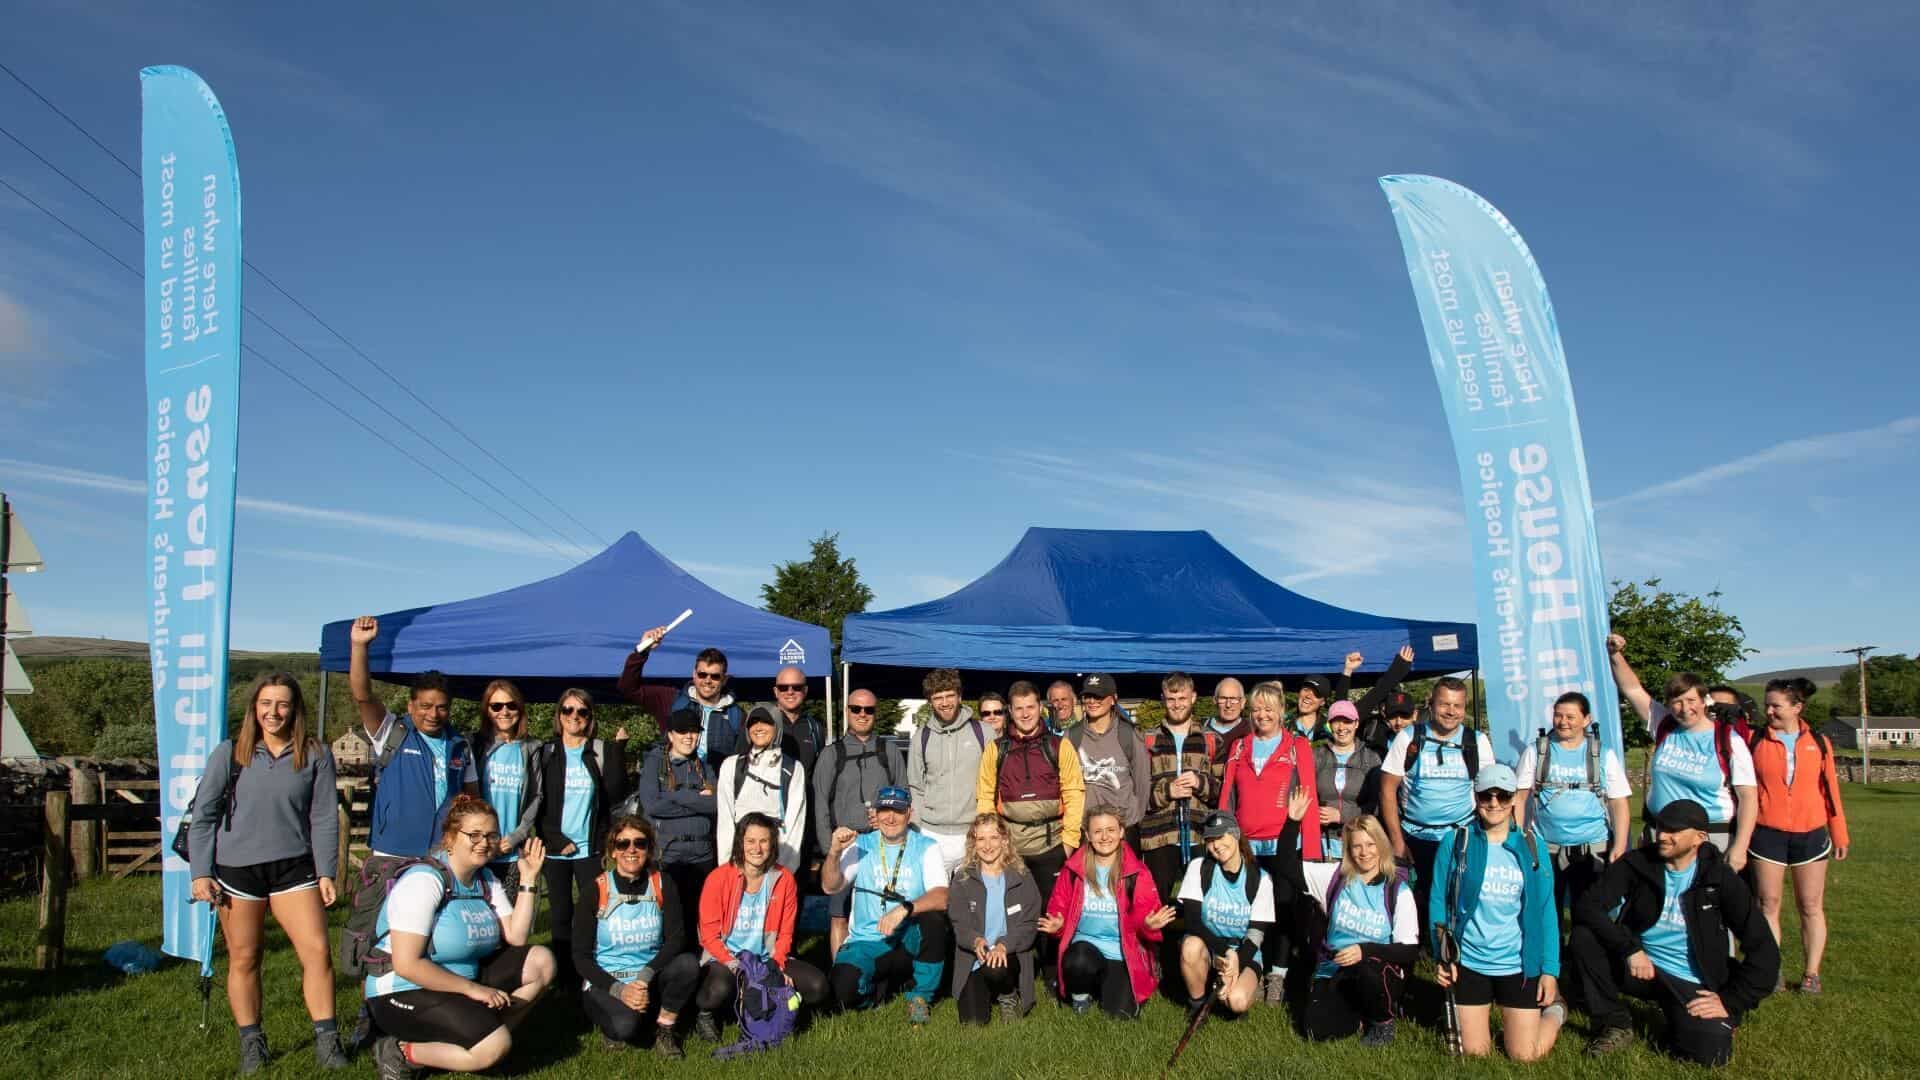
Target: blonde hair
x,y
1370,825
1273,693
1089,862
1009,858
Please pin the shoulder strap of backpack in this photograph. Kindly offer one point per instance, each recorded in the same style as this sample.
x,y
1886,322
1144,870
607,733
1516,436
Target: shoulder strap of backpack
x,y
1211,742
1414,744
979,732
739,774
1206,878
606,895
1723,747
1543,759
1470,750
1593,758
1129,743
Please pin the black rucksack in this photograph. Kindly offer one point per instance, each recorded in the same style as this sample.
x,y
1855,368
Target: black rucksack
x,y
786,776
840,766
1469,749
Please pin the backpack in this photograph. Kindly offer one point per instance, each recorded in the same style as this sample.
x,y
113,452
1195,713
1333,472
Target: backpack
x,y
1723,733
926,734
179,845
1129,747
1542,760
1249,882
840,766
1469,749
786,777
1338,882
360,951
1049,748
765,1005
607,903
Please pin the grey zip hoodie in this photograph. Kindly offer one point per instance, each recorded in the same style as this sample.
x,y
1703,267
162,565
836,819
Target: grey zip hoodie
x,y
943,777
278,812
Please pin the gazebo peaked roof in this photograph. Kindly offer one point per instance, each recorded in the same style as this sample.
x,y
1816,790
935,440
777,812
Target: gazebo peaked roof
x,y
577,627
1139,603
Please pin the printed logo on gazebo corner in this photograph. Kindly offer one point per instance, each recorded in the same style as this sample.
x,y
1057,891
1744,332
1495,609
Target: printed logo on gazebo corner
x,y
792,653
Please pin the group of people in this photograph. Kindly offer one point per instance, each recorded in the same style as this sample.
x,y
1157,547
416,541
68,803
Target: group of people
x,y
1045,840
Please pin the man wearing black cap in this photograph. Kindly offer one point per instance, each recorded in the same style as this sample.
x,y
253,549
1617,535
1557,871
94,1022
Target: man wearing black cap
x,y
1677,900
1397,712
1113,757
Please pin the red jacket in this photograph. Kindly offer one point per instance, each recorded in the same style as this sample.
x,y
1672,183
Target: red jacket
x,y
1812,800
1259,799
1069,890
720,902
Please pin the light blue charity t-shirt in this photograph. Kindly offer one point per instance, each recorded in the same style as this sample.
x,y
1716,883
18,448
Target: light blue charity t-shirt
x,y
437,745
1359,917
1099,924
576,812
1665,941
1226,910
1436,794
1262,752
911,867
462,933
1567,815
628,938
749,931
1686,766
1788,739
1330,845
1490,942
502,783
995,929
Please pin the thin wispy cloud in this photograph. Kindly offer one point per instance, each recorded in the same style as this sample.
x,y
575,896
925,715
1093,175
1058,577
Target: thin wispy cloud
x,y
323,558
1837,446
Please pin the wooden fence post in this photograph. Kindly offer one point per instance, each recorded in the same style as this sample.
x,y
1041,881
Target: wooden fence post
x,y
86,834
53,886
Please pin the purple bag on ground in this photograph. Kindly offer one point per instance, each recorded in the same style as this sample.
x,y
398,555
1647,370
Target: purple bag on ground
x,y
767,1008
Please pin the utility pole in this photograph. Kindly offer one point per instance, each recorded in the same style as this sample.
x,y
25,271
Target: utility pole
x,y
1859,653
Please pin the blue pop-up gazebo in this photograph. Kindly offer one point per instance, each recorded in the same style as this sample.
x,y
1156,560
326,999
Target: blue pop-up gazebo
x,y
577,627
1135,604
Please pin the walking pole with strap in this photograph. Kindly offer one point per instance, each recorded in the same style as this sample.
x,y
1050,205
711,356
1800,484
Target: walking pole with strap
x,y
206,973
1450,942
1209,995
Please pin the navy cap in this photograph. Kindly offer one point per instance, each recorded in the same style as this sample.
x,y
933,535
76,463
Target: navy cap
x,y
893,798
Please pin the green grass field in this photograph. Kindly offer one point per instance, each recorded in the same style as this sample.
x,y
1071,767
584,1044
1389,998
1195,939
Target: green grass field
x,y
90,1021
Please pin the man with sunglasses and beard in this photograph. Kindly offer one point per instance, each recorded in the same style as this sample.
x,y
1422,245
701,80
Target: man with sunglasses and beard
x,y
722,721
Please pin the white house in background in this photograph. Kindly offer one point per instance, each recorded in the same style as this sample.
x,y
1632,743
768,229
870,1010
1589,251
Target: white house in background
x,y
1882,732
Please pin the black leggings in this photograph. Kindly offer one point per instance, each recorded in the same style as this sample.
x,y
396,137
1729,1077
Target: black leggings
x,y
718,984
1600,978
688,881
1084,970
1423,852
667,992
983,986
1276,951
1365,992
563,877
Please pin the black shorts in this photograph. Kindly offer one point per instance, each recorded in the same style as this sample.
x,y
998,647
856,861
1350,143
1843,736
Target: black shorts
x,y
439,1016
1514,991
261,880
1789,848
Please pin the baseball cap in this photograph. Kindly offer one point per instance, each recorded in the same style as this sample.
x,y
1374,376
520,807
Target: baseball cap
x,y
1220,823
1344,710
684,718
1098,686
1680,814
1496,777
1318,684
1400,703
893,798
761,715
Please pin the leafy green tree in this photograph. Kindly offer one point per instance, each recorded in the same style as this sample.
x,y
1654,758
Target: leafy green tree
x,y
1669,632
823,590
1893,688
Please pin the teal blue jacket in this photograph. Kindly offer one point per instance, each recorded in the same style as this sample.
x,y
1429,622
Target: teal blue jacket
x,y
1539,911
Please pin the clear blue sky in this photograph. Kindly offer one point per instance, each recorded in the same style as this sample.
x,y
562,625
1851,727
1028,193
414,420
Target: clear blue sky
x,y
732,276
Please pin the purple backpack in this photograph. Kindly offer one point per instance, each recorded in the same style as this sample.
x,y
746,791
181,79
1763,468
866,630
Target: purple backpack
x,y
767,1007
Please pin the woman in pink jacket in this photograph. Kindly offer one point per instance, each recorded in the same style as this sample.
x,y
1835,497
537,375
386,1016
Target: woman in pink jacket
x,y
1106,914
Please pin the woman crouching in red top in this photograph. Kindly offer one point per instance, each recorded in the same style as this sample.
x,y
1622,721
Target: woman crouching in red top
x,y
749,904
1800,822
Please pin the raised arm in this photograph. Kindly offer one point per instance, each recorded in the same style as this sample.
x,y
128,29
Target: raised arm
x,y
1388,682
1627,681
359,680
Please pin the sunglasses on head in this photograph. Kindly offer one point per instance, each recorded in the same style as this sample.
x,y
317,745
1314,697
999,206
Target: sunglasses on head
x,y
1493,796
790,687
576,710
503,706
862,710
632,843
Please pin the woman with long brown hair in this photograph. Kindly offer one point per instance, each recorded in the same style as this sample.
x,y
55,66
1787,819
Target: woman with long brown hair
x,y
264,836
1107,916
573,783
1801,823
500,749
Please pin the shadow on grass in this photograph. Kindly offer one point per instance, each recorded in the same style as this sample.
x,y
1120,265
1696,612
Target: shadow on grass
x,y
24,991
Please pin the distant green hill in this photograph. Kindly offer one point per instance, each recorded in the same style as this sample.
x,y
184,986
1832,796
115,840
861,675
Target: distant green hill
x,y
1821,676
75,648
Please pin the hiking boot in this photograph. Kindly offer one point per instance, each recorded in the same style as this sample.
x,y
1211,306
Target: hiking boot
x,y
326,1050
706,1027
253,1052
390,1061
1611,1041
1274,989
1380,1034
1009,1007
666,1044
1810,984
1082,1003
917,1012
610,1044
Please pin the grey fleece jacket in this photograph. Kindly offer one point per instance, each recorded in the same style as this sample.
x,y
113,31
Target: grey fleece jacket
x,y
279,812
943,777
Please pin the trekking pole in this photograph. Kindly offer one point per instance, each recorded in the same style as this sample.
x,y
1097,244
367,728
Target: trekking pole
x,y
1199,1017
1450,954
206,974
1186,836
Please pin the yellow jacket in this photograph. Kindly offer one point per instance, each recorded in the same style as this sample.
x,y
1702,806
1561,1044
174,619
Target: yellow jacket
x,y
1073,786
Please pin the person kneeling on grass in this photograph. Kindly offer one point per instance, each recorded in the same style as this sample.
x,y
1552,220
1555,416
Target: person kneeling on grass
x,y
898,930
1492,892
1371,936
629,943
1227,904
454,953
1676,899
750,905
1107,916
995,907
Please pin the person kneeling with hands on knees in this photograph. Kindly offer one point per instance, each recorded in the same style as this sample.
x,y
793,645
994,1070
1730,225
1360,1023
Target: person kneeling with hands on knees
x,y
1227,903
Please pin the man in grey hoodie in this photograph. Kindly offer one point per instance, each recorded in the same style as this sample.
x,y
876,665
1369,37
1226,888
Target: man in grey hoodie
x,y
943,764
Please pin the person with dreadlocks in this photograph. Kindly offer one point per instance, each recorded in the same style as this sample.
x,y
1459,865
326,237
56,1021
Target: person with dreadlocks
x,y
676,795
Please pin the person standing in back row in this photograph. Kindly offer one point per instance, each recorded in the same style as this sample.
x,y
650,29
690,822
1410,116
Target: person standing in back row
x,y
1261,770
722,722
764,779
1426,783
676,793
574,781
943,766
852,770
1183,786
1113,757
1063,707
1579,803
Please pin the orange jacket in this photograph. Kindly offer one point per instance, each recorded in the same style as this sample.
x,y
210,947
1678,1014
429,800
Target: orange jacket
x,y
1801,806
720,902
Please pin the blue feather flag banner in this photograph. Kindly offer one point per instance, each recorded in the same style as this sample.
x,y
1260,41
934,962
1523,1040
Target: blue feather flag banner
x,y
1540,591
191,193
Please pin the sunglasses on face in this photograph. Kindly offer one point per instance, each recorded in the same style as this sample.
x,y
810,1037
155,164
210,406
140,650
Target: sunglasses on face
x,y
1491,797
989,714
790,687
575,710
502,706
632,843
709,676
862,710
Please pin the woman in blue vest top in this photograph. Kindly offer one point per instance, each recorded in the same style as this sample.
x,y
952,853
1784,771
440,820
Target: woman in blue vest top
x,y
630,945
